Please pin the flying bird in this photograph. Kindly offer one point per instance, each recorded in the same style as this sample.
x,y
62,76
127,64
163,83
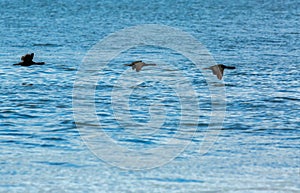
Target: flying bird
x,y
138,65
219,69
27,60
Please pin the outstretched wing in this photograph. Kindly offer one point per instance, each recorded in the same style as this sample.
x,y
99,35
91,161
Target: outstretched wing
x,y
149,64
217,70
132,63
135,62
139,66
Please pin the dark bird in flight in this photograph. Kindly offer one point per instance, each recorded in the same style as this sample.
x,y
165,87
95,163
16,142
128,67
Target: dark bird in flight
x,y
219,69
27,60
138,65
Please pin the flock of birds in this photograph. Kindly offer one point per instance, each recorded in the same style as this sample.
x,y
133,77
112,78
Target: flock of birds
x,y
218,70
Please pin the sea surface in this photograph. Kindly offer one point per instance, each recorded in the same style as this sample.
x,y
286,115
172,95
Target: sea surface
x,y
78,124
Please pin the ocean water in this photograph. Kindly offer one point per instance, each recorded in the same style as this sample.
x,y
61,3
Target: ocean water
x,y
76,125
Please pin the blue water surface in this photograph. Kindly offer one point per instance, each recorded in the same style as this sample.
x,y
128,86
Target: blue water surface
x,y
257,150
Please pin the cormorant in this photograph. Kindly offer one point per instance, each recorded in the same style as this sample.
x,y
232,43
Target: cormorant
x,y
137,65
219,69
27,60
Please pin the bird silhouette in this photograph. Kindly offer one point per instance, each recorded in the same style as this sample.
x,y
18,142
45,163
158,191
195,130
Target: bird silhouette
x,y
219,69
138,65
27,60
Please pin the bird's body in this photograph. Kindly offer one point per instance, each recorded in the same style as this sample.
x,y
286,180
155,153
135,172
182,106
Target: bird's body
x,y
27,60
219,70
138,65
